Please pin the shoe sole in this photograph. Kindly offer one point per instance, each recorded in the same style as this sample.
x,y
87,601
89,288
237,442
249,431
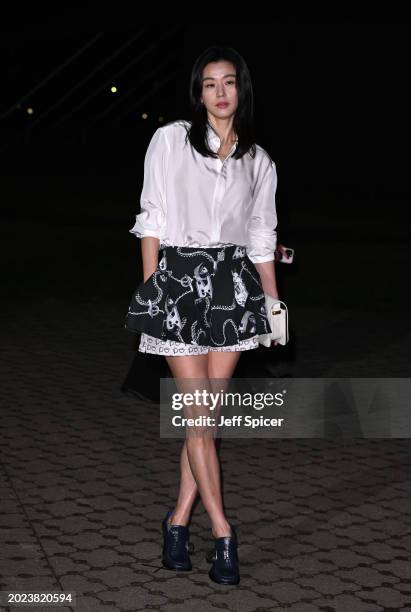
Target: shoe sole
x,y
176,568
235,580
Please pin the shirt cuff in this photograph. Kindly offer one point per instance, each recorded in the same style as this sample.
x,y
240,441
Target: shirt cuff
x,y
261,258
148,223
143,233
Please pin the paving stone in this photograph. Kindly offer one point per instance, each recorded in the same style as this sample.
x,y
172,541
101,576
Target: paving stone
x,y
367,577
400,568
386,597
347,603
189,605
327,584
286,592
133,598
304,607
241,599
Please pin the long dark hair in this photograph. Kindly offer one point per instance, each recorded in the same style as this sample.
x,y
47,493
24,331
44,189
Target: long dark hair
x,y
243,122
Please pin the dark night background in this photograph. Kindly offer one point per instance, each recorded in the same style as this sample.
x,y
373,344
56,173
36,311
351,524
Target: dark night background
x,y
331,108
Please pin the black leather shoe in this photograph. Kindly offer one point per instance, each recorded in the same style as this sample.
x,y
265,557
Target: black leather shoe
x,y
175,547
224,569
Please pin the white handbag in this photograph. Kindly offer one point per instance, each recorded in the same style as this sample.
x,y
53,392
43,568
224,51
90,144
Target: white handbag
x,y
278,320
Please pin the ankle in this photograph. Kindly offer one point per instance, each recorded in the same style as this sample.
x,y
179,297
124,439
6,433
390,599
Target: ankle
x,y
178,519
221,530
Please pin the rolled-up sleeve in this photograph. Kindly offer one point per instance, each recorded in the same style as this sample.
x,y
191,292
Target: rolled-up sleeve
x,y
262,215
151,221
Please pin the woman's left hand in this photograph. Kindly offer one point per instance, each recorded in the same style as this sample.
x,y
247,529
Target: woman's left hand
x,y
274,294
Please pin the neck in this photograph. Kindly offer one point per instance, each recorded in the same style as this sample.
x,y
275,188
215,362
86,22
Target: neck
x,y
224,129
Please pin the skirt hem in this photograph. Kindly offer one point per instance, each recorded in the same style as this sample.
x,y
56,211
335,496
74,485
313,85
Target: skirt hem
x,y
157,346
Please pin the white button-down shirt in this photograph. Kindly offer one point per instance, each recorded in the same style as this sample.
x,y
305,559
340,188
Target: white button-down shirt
x,y
195,201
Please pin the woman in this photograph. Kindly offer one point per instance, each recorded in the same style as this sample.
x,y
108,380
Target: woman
x,y
208,235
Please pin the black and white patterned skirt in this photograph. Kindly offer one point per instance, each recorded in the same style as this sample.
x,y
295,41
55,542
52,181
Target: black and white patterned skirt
x,y
199,300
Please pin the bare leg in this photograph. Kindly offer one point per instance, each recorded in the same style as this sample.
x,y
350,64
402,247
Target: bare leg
x,y
221,365
187,493
194,366
200,469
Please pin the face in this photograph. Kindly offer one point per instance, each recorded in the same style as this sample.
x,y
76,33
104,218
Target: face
x,y
219,92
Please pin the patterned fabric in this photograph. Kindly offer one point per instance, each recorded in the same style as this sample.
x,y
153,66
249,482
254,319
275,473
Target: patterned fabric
x,y
149,344
206,298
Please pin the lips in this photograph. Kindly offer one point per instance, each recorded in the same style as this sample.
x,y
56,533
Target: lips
x,y
222,104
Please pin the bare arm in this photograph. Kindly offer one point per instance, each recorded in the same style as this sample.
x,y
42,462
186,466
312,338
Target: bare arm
x,y
149,253
266,271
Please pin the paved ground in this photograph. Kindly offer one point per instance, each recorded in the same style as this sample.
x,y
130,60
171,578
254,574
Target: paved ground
x,y
86,479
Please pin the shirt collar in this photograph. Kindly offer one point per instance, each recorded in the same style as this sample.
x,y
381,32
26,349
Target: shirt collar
x,y
214,139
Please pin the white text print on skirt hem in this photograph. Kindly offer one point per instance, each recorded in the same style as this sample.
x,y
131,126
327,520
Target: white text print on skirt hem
x,y
150,344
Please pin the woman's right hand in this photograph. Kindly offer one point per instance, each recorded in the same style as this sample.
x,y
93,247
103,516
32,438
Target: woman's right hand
x,y
146,277
149,253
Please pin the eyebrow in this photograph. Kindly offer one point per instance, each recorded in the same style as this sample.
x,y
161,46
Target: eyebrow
x,y
225,76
